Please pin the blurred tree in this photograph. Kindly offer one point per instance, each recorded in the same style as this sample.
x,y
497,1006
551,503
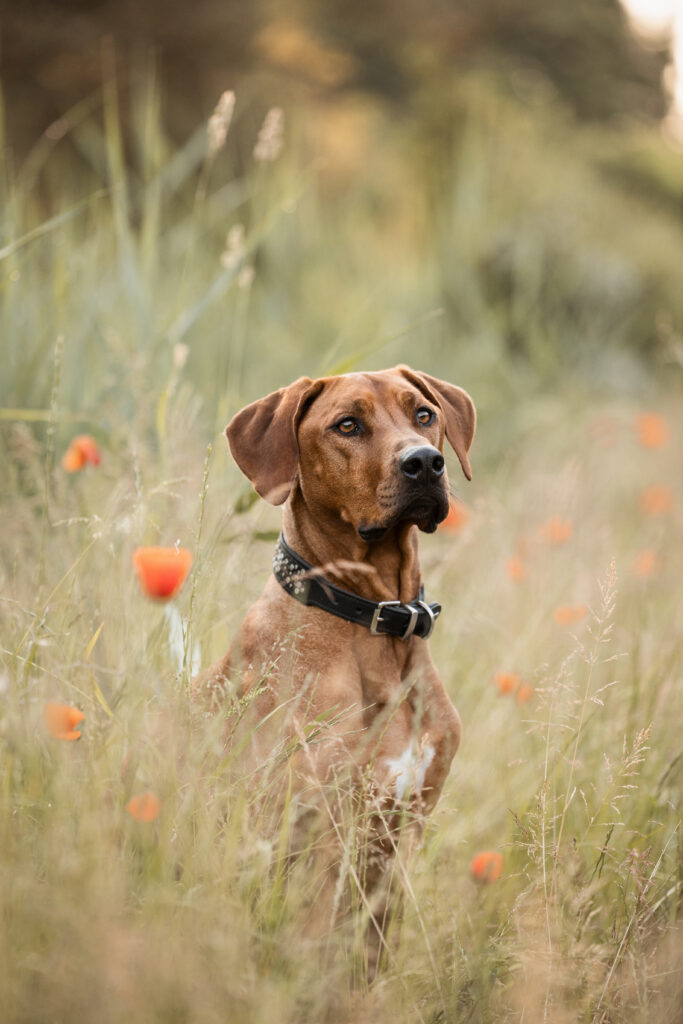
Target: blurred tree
x,y
585,49
51,53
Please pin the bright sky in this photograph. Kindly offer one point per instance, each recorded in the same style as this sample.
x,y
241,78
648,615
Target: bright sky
x,y
655,16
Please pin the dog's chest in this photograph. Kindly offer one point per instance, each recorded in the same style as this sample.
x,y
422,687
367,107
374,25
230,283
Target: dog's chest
x,y
383,668
408,771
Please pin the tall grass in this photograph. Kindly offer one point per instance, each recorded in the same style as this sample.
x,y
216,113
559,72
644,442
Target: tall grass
x,y
195,916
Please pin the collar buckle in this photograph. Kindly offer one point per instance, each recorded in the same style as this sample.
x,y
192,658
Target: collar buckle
x,y
412,622
377,616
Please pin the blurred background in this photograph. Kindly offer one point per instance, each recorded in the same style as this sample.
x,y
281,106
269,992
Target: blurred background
x,y
602,60
499,184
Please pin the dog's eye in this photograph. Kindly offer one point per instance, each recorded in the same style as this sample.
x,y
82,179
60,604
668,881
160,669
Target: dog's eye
x,y
347,426
424,416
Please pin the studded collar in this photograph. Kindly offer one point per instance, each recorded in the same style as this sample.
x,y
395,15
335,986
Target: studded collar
x,y
383,618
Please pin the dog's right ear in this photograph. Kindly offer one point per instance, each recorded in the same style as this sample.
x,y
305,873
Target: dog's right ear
x,y
263,441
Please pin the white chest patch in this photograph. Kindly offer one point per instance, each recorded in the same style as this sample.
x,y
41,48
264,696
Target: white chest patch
x,y
410,768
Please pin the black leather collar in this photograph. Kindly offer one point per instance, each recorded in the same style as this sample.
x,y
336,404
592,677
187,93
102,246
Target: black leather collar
x,y
392,618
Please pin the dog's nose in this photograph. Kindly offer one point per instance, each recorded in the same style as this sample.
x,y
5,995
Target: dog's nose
x,y
424,464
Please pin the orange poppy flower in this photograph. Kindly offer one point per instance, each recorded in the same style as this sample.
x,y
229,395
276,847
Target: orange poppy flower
x,y
653,430
144,807
524,693
515,568
458,515
162,571
487,866
507,682
568,614
645,562
82,452
657,500
556,531
61,721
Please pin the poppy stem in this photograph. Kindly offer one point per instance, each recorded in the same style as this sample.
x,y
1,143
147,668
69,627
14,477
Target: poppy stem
x,y
195,662
178,640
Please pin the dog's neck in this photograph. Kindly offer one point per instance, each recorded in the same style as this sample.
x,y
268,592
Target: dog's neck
x,y
384,570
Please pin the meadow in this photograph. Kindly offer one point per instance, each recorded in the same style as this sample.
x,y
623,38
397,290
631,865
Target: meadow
x,y
148,290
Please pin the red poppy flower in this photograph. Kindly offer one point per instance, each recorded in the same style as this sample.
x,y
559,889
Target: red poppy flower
x,y
515,568
456,518
653,430
162,571
569,614
556,531
82,452
646,562
524,693
487,866
657,500
144,807
507,682
61,721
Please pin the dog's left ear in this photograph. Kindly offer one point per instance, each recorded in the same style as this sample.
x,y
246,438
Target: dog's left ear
x,y
457,407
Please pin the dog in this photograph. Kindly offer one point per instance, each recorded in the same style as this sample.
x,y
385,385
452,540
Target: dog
x,y
332,660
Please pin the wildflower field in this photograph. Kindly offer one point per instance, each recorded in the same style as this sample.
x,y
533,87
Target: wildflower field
x,y
148,289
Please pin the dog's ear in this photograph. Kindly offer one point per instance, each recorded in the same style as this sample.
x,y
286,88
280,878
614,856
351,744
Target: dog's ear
x,y
263,442
457,407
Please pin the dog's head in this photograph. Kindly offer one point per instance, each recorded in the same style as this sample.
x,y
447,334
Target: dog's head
x,y
364,447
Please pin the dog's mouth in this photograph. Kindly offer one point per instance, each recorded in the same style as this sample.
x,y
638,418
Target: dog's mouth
x,y
425,511
370,533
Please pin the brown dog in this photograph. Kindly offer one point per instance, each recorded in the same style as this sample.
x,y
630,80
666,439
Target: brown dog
x,y
358,462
